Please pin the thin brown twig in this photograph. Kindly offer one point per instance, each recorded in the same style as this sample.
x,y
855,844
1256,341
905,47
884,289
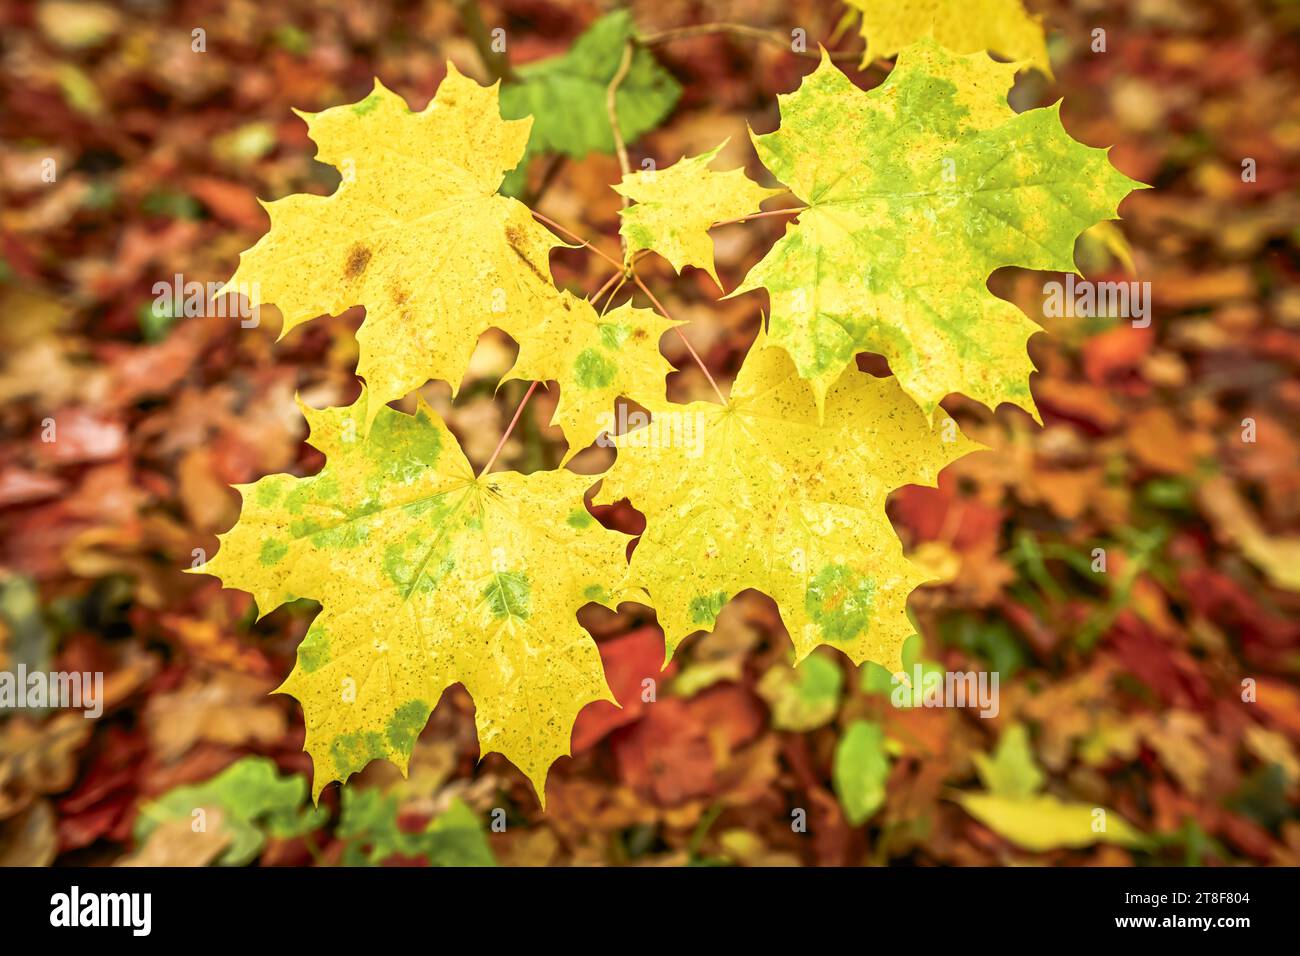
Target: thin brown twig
x,y
627,270
790,211
622,266
610,301
611,108
739,30
595,296
681,335
509,428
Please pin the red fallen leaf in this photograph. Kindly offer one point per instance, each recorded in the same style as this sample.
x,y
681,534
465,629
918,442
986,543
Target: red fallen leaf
x,y
628,661
1266,639
229,201
82,436
833,839
665,756
105,798
942,514
104,820
1280,704
285,852
1116,354
1169,671
1248,837
144,370
1082,404
671,754
18,486
730,713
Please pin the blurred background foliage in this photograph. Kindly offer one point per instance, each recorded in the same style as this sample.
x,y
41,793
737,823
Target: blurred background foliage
x,y
1162,690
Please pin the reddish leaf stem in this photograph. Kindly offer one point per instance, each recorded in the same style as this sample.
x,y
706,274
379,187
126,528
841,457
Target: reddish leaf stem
x,y
791,211
681,335
509,428
573,235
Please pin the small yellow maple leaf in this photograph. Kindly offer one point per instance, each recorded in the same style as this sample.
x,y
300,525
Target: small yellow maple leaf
x,y
676,207
757,494
596,358
427,576
963,26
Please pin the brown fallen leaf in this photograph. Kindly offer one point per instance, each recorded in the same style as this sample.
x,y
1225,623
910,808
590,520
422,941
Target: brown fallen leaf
x,y
30,838
176,843
38,758
222,708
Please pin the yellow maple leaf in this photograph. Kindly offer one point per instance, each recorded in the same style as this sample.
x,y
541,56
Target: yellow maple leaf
x,y
596,358
964,26
757,494
415,233
427,576
676,207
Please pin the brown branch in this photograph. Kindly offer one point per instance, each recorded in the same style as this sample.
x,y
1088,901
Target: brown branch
x,y
739,30
611,107
471,21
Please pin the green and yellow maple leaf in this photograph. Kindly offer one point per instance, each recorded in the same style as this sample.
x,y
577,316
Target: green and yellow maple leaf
x,y
597,358
427,576
917,191
676,207
757,494
964,26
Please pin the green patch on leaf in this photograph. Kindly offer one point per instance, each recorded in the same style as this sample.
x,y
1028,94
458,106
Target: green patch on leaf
x,y
351,752
405,725
593,370
580,518
840,601
273,552
509,595
705,608
314,651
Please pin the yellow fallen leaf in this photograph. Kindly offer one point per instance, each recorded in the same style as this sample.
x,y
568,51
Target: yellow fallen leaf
x,y
1045,823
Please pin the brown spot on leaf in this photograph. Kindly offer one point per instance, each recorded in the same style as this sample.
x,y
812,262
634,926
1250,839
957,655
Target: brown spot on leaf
x,y
514,237
358,259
